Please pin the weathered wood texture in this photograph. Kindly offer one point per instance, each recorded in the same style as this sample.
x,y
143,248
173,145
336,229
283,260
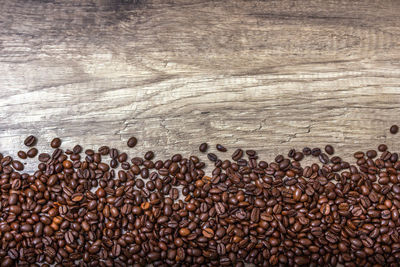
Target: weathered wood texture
x,y
269,75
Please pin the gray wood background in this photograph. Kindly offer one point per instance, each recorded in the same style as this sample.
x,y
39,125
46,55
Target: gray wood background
x,y
267,75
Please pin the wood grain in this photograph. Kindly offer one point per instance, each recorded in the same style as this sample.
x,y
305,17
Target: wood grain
x,y
269,75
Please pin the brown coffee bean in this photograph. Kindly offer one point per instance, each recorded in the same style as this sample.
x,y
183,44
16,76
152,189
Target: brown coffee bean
x,y
325,209
17,165
184,231
221,148
55,143
212,157
208,232
30,141
382,148
22,155
132,142
394,129
32,152
329,149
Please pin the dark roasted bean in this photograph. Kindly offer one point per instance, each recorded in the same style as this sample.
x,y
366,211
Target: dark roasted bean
x,y
203,147
221,148
394,129
55,143
329,149
30,141
132,142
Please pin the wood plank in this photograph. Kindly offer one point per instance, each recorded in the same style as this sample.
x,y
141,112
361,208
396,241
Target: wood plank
x,y
269,75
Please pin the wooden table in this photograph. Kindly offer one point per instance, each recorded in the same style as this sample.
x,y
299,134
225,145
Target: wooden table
x,y
266,75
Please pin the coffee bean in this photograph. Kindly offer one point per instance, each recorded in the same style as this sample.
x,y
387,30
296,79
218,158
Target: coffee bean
x,y
221,249
323,158
22,155
17,165
32,152
203,147
325,209
44,157
221,148
307,151
30,141
184,231
208,232
315,152
55,143
394,129
149,155
212,157
13,254
329,149
237,154
132,142
382,148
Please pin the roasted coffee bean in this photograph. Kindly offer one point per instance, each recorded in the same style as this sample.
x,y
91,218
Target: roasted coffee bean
x,y
203,147
30,141
394,129
316,152
55,143
382,148
329,149
44,157
307,151
149,155
22,155
32,152
132,142
17,165
212,157
221,148
323,158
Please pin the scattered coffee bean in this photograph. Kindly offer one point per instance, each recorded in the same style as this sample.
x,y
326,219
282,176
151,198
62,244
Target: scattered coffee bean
x,y
132,142
32,152
221,148
212,157
22,155
30,141
329,149
203,147
394,129
55,143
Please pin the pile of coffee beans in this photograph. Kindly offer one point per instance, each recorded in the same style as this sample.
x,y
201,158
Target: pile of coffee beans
x,y
104,208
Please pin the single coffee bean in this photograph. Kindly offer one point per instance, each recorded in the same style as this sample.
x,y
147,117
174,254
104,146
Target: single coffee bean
x,y
323,158
382,148
30,141
132,142
77,149
55,143
22,155
221,148
316,152
32,152
212,157
17,165
208,232
44,157
329,149
149,155
307,151
394,129
203,147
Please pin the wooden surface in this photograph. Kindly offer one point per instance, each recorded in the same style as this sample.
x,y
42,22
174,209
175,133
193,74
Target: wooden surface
x,y
269,75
